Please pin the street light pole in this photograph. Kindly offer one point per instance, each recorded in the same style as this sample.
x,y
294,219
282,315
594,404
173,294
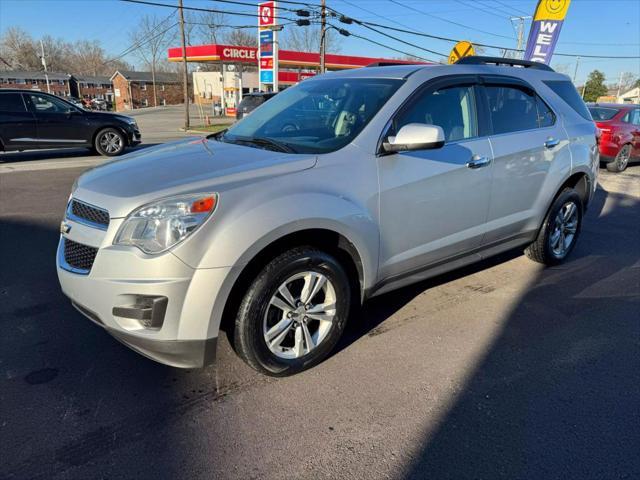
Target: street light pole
x,y
185,74
323,31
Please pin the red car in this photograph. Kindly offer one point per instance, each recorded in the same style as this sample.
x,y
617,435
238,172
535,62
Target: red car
x,y
619,125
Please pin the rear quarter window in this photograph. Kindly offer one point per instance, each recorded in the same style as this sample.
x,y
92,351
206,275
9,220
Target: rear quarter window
x,y
567,92
12,102
603,113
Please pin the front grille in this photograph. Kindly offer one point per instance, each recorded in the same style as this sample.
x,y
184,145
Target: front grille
x,y
90,213
78,255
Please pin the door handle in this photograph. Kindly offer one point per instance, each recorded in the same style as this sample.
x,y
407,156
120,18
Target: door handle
x,y
551,142
478,162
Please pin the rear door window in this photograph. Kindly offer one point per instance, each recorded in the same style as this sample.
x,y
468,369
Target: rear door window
x,y
12,102
512,109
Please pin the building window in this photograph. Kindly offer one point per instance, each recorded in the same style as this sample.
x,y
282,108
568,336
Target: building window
x,y
143,86
34,81
21,81
60,82
162,87
145,102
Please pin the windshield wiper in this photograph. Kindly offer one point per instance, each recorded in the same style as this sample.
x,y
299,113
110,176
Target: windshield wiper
x,y
263,142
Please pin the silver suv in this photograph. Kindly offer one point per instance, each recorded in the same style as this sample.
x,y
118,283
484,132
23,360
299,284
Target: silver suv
x,y
341,188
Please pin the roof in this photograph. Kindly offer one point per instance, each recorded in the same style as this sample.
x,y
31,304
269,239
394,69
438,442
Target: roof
x,y
33,75
161,77
90,79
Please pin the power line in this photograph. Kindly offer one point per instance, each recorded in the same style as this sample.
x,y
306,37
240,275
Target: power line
x,y
521,12
198,9
450,21
481,9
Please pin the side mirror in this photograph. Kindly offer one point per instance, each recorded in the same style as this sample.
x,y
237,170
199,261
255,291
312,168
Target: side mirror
x,y
415,136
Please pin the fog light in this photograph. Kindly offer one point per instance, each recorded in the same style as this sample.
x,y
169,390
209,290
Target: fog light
x,y
147,310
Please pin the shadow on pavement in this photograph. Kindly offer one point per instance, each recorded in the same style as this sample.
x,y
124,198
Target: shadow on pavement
x,y
557,394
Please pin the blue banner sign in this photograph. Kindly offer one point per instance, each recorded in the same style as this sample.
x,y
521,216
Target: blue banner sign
x,y
545,30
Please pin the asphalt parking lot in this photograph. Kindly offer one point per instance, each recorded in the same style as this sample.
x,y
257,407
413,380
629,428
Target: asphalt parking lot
x,y
501,370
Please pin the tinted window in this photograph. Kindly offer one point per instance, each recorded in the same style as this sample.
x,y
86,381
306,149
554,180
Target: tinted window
x,y
600,113
251,101
11,102
546,117
565,90
512,109
451,108
635,117
46,104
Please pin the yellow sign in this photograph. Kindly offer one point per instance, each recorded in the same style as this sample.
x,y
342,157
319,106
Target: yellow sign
x,y
551,10
462,49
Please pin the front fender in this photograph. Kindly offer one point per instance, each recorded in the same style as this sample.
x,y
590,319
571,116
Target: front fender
x,y
238,235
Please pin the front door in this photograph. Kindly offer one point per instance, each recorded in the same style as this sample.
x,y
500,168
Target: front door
x,y
434,203
59,123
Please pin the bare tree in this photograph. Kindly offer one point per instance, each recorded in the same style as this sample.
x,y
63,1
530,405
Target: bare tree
x,y
17,48
307,39
211,26
242,38
151,38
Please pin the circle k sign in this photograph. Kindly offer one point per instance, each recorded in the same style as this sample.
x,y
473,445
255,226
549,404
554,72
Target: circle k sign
x,y
266,13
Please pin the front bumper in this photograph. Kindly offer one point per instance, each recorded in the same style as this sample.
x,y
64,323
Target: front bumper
x,y
187,333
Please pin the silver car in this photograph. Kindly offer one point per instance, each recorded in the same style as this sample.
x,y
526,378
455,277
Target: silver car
x,y
341,188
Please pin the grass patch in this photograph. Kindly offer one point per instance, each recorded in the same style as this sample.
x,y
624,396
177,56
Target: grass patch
x,y
210,128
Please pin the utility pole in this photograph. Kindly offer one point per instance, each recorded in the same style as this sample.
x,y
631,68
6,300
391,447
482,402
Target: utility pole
x,y
619,86
44,64
185,74
520,33
323,31
575,72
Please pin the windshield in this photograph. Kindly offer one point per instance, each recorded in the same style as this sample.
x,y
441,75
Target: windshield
x,y
316,116
600,113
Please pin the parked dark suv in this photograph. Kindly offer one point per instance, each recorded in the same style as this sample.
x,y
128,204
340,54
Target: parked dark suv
x,y
32,120
251,101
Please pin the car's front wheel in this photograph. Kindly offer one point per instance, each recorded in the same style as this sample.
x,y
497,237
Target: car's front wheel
x,y
109,142
293,313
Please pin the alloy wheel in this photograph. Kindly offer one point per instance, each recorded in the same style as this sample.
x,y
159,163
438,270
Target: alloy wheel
x,y
565,227
300,315
111,142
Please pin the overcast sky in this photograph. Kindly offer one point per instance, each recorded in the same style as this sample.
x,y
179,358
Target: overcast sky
x,y
592,27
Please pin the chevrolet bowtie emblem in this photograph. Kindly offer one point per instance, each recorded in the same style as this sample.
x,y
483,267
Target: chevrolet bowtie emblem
x,y
65,227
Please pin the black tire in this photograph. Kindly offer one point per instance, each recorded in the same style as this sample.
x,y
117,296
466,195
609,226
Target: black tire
x,y
621,161
255,310
103,142
541,250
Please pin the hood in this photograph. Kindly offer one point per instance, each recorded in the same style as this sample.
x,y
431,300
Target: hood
x,y
192,165
103,115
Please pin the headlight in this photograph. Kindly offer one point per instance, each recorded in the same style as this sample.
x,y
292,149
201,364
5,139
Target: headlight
x,y
160,225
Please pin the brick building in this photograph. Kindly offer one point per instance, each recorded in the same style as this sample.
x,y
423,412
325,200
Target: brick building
x,y
59,83
135,89
92,87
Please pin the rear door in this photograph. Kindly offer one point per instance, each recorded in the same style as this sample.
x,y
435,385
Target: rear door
x,y
59,123
528,144
17,123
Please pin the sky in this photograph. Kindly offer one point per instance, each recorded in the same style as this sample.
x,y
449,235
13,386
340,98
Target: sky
x,y
592,27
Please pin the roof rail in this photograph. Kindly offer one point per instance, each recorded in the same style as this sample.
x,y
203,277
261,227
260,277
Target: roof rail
x,y
513,62
394,64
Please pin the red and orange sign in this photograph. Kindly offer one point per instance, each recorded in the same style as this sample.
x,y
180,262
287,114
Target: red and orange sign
x,y
266,14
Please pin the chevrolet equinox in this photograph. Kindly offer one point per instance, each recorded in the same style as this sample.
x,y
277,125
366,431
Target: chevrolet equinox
x,y
346,186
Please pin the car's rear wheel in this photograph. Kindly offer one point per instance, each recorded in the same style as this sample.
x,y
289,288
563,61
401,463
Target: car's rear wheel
x,y
621,161
559,232
294,312
109,142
